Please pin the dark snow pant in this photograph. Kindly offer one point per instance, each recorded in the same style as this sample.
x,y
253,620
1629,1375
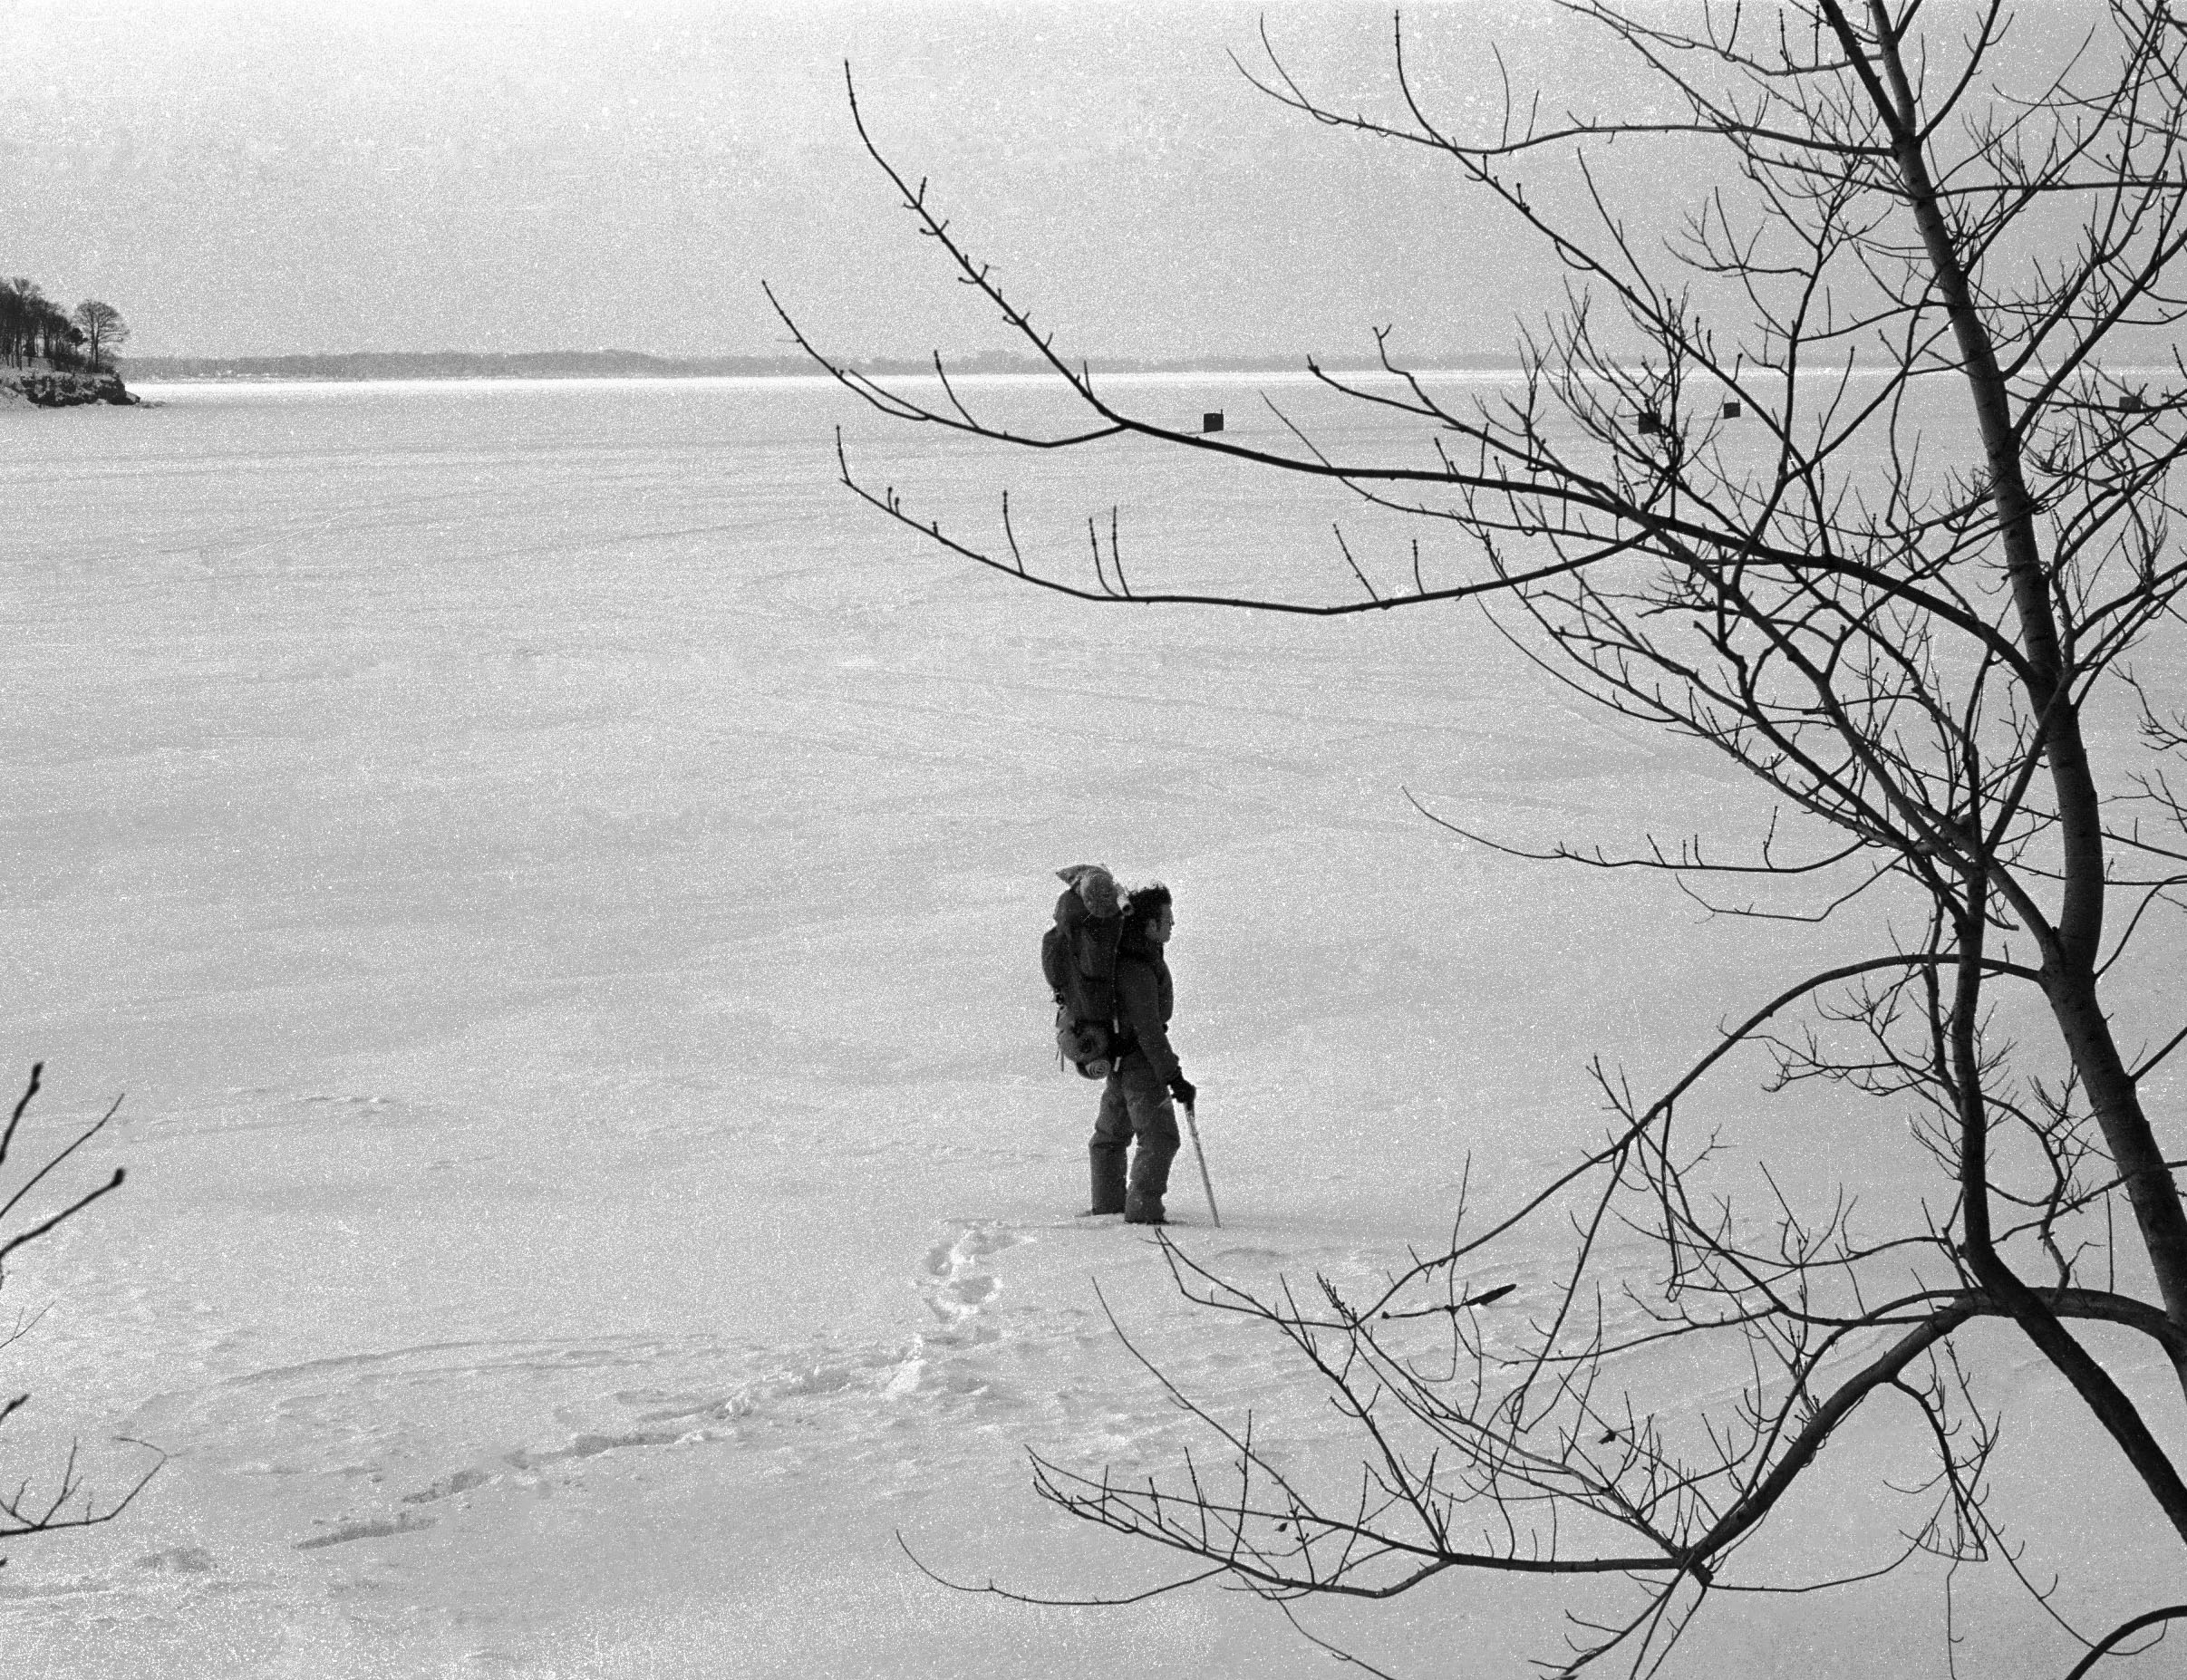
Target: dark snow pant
x,y
1135,1103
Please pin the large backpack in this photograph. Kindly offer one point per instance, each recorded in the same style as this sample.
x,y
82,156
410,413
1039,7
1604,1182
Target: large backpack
x,y
1078,961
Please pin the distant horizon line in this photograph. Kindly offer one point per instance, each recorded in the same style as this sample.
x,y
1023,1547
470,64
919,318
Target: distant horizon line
x,y
579,363
367,365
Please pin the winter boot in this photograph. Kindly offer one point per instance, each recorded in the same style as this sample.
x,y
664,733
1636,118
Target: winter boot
x,y
1106,1160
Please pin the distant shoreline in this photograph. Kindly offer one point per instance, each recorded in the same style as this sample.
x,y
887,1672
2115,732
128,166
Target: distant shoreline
x,y
46,387
367,365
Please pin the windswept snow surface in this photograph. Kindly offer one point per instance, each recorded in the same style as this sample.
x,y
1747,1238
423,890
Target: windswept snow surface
x,y
557,881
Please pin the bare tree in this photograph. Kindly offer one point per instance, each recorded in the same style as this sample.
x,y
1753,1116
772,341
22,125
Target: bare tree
x,y
103,327
33,327
1850,479
17,295
28,1507
27,320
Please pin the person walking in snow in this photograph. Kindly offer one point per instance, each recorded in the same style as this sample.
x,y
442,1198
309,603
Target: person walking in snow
x,y
1135,1100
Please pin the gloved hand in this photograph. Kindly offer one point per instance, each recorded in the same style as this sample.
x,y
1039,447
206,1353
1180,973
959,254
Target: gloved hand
x,y
1183,1089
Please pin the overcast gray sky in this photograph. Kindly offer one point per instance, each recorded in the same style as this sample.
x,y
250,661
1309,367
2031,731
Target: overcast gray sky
x,y
247,177
264,176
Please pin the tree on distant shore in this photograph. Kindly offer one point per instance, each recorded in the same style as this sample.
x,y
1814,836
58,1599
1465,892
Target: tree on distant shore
x,y
103,327
29,1507
1709,503
33,327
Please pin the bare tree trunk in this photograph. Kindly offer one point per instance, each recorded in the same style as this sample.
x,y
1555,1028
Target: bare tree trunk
x,y
2071,947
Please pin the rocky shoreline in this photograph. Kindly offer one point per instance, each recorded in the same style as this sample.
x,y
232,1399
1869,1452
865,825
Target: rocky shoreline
x,y
46,389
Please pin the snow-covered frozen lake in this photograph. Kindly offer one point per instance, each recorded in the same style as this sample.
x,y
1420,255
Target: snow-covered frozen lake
x,y
557,881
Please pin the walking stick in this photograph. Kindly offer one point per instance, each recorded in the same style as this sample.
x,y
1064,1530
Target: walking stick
x,y
1200,1154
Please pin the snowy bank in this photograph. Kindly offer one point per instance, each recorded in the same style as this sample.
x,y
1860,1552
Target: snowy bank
x,y
45,388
